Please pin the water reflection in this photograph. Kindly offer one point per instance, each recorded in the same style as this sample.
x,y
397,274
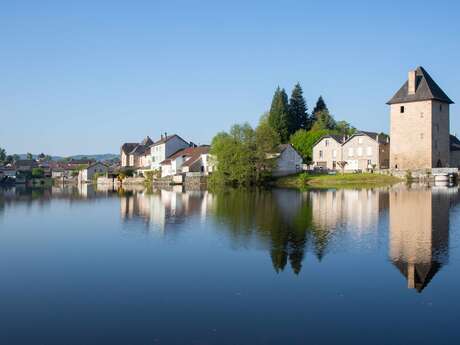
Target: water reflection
x,y
288,224
419,232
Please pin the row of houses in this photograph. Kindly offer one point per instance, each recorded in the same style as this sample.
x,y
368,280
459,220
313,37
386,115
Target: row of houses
x,y
361,151
172,155
79,170
419,132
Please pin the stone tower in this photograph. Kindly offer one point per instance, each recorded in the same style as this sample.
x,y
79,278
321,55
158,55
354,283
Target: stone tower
x,y
419,124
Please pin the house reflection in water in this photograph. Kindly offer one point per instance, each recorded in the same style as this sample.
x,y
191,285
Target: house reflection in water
x,y
163,207
419,231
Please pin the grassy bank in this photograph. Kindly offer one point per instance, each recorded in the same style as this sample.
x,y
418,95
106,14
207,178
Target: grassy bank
x,y
340,180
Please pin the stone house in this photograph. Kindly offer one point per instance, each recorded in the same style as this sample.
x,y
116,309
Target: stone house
x,y
420,124
327,151
288,161
366,151
86,175
190,159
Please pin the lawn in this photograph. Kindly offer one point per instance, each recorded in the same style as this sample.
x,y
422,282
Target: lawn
x,y
338,180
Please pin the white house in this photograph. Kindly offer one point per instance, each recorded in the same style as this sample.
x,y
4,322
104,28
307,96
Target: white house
x,y
87,174
288,161
164,148
190,159
327,151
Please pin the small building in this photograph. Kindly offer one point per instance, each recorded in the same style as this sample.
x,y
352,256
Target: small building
x,y
454,152
288,161
190,159
327,151
366,151
136,155
87,174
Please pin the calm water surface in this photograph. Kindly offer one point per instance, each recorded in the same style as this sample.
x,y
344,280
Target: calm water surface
x,y
369,266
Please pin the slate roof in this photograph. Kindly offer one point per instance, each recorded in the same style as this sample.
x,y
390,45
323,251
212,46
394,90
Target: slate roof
x,y
425,89
454,143
380,137
168,138
128,147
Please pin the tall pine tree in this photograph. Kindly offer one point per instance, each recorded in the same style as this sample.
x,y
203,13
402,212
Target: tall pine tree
x,y
298,116
279,113
319,107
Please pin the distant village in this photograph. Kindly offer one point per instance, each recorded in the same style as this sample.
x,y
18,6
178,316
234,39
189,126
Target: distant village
x,y
419,141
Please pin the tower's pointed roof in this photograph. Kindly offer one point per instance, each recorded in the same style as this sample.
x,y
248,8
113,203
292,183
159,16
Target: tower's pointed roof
x,y
425,89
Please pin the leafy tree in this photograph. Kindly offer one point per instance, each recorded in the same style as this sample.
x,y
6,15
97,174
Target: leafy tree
x,y
267,142
2,154
41,156
320,106
324,120
29,156
303,141
9,159
279,113
298,115
37,172
344,128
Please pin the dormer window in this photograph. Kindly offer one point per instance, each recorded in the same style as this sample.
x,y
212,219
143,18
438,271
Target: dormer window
x,y
401,109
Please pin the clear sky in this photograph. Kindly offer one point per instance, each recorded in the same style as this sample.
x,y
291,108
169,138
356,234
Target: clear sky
x,y
85,76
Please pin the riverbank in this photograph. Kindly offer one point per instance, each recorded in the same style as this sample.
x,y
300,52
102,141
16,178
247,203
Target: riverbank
x,y
339,180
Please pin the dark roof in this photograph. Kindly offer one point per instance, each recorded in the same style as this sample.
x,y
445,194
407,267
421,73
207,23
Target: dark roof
x,y
339,138
425,89
128,147
381,138
168,138
454,143
26,162
147,141
192,152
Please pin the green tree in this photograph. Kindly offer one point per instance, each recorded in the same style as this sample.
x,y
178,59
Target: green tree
x,y
320,106
2,154
267,142
279,113
37,173
324,120
298,115
303,141
29,156
344,128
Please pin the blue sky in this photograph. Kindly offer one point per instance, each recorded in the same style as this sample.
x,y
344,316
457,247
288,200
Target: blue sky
x,y
85,76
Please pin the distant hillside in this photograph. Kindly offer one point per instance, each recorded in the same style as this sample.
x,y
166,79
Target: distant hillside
x,y
97,157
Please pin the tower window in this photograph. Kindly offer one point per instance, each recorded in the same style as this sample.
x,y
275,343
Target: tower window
x,y
421,135
440,107
401,109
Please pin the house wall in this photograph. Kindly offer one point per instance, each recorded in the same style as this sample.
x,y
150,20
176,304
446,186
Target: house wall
x,y
440,134
454,159
289,162
361,153
87,174
160,152
124,159
326,152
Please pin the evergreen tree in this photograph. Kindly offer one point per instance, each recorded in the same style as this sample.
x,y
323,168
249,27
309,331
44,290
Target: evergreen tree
x,y
278,115
319,107
298,116
2,154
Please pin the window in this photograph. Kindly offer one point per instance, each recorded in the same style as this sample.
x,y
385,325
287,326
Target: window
x,y
360,151
440,107
437,127
369,162
421,135
327,142
369,151
334,153
320,154
401,110
421,115
350,152
435,144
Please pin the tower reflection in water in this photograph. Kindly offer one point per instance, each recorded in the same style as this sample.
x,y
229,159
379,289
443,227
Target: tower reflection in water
x,y
289,223
419,231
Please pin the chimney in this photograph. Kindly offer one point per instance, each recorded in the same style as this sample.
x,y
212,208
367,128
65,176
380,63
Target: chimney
x,y
411,84
166,135
161,136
